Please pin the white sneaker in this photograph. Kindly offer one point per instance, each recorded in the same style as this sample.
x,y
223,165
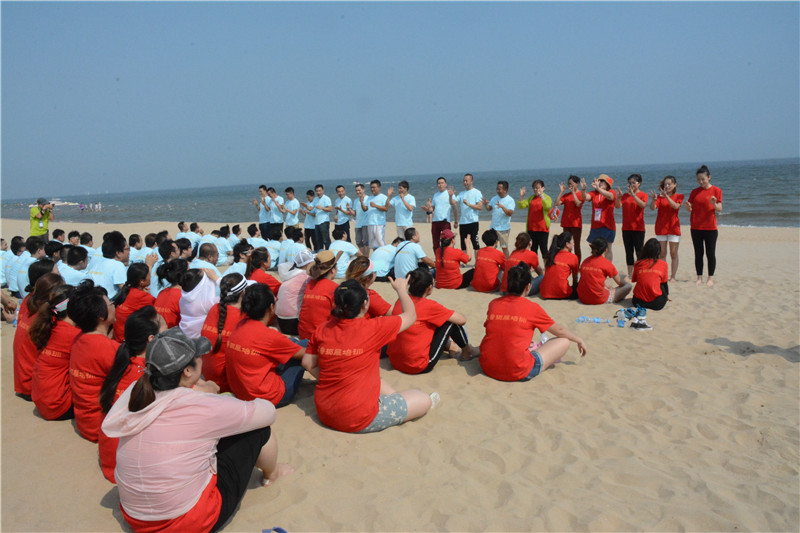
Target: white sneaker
x,y
435,399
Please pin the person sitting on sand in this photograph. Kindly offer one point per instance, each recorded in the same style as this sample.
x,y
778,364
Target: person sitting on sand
x,y
650,275
362,270
523,254
437,328
489,263
318,296
409,255
257,266
168,300
198,296
132,295
128,367
595,269
448,264
561,264
290,296
74,271
344,356
511,321
185,457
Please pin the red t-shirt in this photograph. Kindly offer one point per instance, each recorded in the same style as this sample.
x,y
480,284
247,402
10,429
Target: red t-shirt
x,y
592,283
260,276
571,217
25,351
317,306
90,360
448,276
703,216
254,350
135,300
349,385
410,351
201,517
488,264
603,210
510,324
632,214
555,284
50,379
667,222
167,305
536,215
106,446
377,305
517,257
214,361
648,278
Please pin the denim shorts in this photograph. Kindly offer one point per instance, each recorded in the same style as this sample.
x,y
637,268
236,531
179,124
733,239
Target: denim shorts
x,y
605,233
392,411
537,366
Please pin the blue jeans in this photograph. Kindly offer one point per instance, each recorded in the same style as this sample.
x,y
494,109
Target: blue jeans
x,y
291,372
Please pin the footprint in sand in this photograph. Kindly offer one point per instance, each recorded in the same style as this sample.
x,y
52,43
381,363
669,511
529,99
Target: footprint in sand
x,y
706,431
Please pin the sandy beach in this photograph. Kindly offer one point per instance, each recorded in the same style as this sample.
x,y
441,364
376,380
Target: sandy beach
x,y
691,426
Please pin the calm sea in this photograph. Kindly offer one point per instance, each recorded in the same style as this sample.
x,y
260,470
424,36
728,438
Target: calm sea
x,y
755,193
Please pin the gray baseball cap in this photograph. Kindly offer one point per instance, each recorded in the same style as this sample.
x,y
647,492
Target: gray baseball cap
x,y
171,351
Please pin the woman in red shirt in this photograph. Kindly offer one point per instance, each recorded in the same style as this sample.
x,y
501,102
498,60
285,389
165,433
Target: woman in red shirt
x,y
633,203
318,296
704,204
53,333
592,289
522,254
419,348
260,361
603,199
362,270
511,321
650,275
128,366
92,354
132,296
344,357
448,264
571,219
561,264
668,227
489,262
222,319
257,266
168,300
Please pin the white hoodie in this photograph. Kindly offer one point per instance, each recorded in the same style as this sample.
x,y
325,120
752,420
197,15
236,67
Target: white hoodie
x,y
195,306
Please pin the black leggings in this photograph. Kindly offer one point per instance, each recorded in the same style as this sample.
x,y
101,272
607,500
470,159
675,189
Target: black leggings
x,y
633,241
440,341
658,303
539,241
471,231
707,237
466,278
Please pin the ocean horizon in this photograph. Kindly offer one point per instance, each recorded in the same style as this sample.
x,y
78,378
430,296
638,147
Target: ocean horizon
x,y
754,194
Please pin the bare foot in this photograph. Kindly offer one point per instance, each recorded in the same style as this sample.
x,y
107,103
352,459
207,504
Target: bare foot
x,y
281,469
469,353
710,282
699,281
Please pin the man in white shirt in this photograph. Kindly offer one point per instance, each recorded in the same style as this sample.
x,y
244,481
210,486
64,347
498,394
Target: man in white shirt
x,y
342,211
502,207
348,250
409,254
321,208
362,231
375,207
263,206
291,208
404,204
469,203
442,203
110,272
275,211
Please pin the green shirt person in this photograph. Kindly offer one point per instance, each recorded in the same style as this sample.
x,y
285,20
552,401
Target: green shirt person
x,y
41,215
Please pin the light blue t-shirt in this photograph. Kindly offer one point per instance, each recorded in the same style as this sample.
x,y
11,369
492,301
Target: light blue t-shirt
x,y
223,247
199,263
237,268
263,214
233,240
361,215
407,258
155,287
402,215
383,259
308,220
136,255
467,215
109,273
348,251
11,271
321,216
23,263
3,261
376,217
208,239
257,242
275,215
283,254
274,248
441,206
345,203
292,205
194,238
501,221
71,276
181,235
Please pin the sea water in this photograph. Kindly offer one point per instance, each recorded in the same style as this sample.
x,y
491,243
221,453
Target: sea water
x,y
755,193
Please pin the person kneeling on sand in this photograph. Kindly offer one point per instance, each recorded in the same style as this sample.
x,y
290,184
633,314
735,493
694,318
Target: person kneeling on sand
x,y
344,356
186,454
507,352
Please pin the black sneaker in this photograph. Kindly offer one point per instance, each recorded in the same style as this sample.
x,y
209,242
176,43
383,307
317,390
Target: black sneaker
x,y
641,325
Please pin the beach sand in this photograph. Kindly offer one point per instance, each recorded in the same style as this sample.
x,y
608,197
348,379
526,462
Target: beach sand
x,y
690,426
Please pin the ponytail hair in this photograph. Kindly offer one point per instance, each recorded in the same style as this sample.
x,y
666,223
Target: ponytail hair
x,y
519,277
191,279
87,305
558,244
443,243
144,390
41,291
348,299
172,271
356,269
53,309
523,241
228,282
137,272
419,281
140,326
257,300
257,258
651,250
599,246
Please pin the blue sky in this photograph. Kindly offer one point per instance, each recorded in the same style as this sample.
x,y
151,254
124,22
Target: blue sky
x,y
144,96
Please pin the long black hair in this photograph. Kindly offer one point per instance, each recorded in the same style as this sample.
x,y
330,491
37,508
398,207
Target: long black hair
x,y
348,299
172,272
136,273
48,314
139,327
256,300
558,244
87,305
651,250
419,281
228,282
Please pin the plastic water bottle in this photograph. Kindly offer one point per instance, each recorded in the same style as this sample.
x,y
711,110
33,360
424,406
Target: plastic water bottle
x,y
580,319
16,314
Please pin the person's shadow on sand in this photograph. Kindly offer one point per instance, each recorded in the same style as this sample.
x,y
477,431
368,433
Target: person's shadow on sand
x,y
111,501
746,348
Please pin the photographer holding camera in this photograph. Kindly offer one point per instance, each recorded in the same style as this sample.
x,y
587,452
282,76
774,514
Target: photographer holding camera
x,y
41,215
